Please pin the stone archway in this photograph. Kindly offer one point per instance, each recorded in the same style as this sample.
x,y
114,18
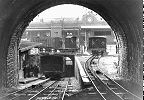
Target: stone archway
x,y
122,15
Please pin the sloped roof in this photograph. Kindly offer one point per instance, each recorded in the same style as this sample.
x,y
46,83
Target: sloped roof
x,y
39,25
68,23
26,45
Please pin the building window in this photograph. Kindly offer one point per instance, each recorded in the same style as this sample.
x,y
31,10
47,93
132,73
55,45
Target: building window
x,y
68,61
48,34
55,32
38,34
102,33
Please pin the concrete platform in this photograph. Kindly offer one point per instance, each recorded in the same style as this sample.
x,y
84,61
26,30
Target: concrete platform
x,y
21,86
80,60
109,66
27,80
29,84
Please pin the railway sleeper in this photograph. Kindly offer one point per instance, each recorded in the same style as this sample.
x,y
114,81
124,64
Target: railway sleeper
x,y
103,91
120,94
127,96
96,96
117,91
110,97
112,85
106,81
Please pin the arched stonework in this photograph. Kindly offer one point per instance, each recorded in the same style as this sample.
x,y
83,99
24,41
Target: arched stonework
x,y
123,56
122,48
12,62
121,15
13,56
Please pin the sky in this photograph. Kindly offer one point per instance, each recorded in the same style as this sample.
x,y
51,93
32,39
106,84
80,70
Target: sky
x,y
63,11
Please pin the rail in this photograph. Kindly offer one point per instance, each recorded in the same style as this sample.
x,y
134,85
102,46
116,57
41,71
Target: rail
x,y
87,62
13,95
106,92
33,97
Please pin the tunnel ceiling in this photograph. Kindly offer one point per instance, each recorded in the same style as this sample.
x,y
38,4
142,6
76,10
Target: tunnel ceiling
x,y
124,16
115,12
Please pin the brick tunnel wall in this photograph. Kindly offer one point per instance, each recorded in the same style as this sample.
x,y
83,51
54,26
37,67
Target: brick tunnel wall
x,y
15,16
130,55
123,58
134,58
12,69
12,63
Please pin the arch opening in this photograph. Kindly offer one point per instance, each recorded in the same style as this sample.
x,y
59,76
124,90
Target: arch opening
x,y
24,18
29,17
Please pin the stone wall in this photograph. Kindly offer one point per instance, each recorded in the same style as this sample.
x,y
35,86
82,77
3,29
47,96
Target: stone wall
x,y
12,63
11,72
125,14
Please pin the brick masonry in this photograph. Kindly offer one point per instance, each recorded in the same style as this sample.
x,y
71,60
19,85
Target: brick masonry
x,y
15,16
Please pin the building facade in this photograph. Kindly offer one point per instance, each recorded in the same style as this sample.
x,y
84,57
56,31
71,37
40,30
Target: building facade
x,y
58,33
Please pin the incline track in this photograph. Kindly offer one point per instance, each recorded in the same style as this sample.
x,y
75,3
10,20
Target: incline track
x,y
55,91
106,87
15,94
51,90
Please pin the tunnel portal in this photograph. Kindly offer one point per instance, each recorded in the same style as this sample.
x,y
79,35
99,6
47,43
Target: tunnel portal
x,y
124,17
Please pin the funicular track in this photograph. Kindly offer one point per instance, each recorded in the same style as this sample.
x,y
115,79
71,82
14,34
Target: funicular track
x,y
50,90
18,93
107,88
54,92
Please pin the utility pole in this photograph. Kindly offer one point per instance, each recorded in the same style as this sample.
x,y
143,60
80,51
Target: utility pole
x,y
63,38
85,40
85,33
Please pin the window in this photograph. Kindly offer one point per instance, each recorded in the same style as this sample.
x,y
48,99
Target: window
x,y
68,61
102,33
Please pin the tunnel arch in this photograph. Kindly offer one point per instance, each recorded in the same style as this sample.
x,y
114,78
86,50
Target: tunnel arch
x,y
20,14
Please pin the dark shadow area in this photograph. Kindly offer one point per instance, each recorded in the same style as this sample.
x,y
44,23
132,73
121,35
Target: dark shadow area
x,y
131,86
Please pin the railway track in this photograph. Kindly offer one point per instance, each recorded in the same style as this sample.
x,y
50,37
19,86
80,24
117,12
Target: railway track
x,y
51,90
54,92
107,88
26,93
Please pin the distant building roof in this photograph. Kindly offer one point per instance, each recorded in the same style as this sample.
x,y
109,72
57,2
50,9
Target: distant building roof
x,y
26,45
39,25
100,26
87,20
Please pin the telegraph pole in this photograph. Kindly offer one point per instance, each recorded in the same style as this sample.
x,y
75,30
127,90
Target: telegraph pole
x,y
63,38
85,41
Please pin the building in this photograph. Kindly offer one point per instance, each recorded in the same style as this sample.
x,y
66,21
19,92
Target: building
x,y
56,33
28,57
